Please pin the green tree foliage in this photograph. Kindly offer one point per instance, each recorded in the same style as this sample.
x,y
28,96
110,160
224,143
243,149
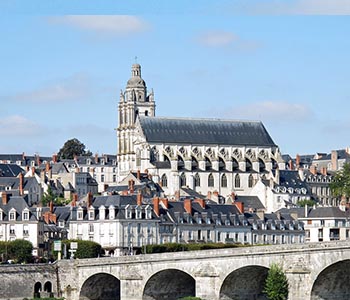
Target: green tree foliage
x,y
20,250
276,284
341,182
48,197
86,249
4,250
303,203
71,148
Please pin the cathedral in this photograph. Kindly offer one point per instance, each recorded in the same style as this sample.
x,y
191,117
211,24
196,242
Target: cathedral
x,y
201,155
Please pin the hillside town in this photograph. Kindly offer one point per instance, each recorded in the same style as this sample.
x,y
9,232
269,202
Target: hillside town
x,y
173,180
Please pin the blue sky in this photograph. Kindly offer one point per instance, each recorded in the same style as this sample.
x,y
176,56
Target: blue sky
x,y
63,64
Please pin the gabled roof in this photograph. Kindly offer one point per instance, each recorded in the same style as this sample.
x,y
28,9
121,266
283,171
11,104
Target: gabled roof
x,y
205,131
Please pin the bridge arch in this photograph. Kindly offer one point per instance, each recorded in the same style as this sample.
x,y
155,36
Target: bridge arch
x,y
100,286
244,283
332,283
169,284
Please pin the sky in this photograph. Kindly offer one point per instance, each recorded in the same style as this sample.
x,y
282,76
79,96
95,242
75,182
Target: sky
x,y
284,62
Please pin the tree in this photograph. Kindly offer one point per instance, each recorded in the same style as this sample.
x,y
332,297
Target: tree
x,y
71,148
48,196
276,284
304,202
86,249
340,186
20,250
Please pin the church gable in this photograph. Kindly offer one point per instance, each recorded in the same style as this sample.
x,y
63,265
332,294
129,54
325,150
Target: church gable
x,y
205,131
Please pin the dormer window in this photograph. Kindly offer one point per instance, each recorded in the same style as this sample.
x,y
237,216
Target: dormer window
x,y
128,213
91,214
25,215
149,212
111,212
88,161
102,212
138,212
80,214
12,215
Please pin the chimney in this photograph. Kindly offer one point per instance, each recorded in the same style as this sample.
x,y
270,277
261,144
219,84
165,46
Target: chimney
x,y
138,175
233,196
51,206
334,160
33,171
177,195
38,160
277,175
156,205
165,202
23,156
89,199
297,161
291,166
42,176
5,198
96,158
188,206
139,198
200,201
324,171
240,206
47,167
54,158
21,184
313,169
131,186
74,201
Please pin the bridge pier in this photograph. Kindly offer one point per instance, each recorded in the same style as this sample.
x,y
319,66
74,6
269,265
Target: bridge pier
x,y
206,287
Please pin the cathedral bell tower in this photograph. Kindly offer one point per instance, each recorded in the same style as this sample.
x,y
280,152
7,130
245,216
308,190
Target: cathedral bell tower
x,y
133,102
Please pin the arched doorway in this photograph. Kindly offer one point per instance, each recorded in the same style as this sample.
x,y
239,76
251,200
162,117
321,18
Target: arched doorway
x,y
333,282
100,286
169,284
244,284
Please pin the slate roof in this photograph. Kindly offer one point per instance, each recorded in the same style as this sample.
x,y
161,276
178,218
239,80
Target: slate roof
x,y
250,202
205,131
10,170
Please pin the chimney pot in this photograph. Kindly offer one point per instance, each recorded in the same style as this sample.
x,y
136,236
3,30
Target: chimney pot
x,y
139,198
5,198
188,206
156,205
240,206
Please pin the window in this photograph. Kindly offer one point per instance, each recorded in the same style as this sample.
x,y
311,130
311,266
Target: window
x,y
91,215
102,178
26,216
183,179
197,180
223,181
12,229
12,216
114,178
80,215
250,181
237,181
210,180
164,180
91,228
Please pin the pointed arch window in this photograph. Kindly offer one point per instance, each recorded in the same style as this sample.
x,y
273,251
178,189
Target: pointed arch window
x,y
194,163
183,179
208,164
250,181
237,181
210,180
164,180
197,180
180,163
223,181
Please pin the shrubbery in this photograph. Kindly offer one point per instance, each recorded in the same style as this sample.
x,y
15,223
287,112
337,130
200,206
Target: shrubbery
x,y
175,247
20,251
86,249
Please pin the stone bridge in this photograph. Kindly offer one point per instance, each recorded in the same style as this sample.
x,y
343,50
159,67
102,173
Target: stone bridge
x,y
314,271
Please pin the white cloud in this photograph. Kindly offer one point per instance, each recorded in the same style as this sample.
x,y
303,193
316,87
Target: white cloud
x,y
20,127
225,39
273,111
73,88
294,7
217,38
105,24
